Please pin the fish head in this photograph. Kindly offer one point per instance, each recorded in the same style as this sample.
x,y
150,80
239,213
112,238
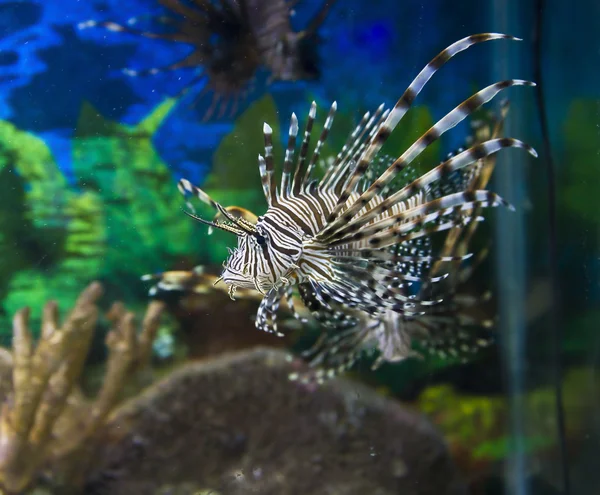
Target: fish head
x,y
295,58
265,259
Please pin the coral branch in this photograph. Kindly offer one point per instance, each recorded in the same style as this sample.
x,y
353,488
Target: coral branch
x,y
77,335
149,329
122,342
128,352
45,422
22,350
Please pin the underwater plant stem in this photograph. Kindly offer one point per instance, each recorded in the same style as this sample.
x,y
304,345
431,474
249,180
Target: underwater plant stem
x,y
554,323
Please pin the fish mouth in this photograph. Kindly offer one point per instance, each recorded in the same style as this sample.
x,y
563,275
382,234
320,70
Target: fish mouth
x,y
239,282
238,279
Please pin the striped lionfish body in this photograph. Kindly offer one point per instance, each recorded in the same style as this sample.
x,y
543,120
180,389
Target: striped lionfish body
x,y
230,40
355,245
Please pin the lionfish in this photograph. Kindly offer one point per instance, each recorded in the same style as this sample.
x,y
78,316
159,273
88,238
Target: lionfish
x,y
231,39
357,248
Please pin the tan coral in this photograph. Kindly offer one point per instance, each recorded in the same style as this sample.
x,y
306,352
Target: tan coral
x,y
45,423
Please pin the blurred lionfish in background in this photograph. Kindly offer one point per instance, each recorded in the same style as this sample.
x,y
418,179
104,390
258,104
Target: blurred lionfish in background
x,y
355,244
231,40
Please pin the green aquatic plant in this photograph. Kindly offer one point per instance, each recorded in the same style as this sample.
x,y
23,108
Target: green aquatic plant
x,y
14,226
141,203
478,423
578,206
83,250
120,220
31,201
581,170
48,230
466,420
30,158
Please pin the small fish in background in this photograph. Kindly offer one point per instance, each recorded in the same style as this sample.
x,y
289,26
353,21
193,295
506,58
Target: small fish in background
x,y
197,281
355,244
231,40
